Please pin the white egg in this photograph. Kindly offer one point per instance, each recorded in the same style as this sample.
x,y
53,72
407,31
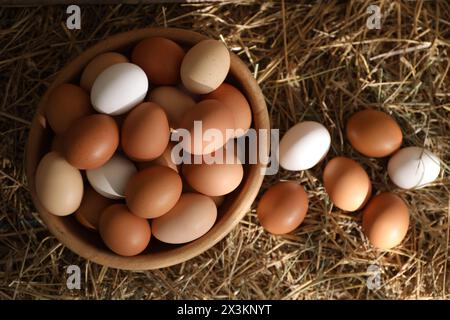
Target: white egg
x,y
119,88
413,167
111,179
304,145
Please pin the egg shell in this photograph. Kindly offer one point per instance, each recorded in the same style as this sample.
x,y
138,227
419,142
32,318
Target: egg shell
x,y
346,183
163,160
119,88
59,186
145,132
413,167
233,99
91,141
92,205
205,66
374,133
66,104
160,58
174,102
214,117
192,217
283,207
97,65
386,220
123,232
152,192
214,179
110,179
303,146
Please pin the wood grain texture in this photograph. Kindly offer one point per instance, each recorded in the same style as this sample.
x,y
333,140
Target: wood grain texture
x,y
88,245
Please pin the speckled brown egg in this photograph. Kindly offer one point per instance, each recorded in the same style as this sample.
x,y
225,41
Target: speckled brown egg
x,y
91,141
374,133
66,103
92,205
205,66
283,207
97,65
346,183
123,232
152,192
213,115
233,99
386,220
160,58
145,132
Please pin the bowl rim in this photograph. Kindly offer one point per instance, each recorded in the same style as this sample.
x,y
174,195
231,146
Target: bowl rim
x,y
240,205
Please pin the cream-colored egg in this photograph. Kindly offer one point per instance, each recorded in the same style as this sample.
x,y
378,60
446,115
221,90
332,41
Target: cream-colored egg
x,y
111,179
192,217
205,66
59,186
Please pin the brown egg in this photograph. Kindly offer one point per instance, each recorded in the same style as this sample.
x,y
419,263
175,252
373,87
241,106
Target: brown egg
x,y
123,232
160,58
192,217
92,205
152,192
174,102
214,179
97,65
66,104
213,115
386,220
346,183
145,132
233,99
91,141
374,133
283,207
164,160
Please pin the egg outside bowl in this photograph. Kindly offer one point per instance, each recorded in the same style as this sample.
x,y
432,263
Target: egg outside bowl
x,y
158,255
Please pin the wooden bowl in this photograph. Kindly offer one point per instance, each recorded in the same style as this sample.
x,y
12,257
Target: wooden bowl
x,y
88,244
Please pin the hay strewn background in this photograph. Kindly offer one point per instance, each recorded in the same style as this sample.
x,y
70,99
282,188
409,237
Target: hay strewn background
x,y
314,60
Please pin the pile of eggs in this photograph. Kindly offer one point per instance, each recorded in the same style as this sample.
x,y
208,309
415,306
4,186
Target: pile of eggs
x,y
111,161
375,134
110,164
